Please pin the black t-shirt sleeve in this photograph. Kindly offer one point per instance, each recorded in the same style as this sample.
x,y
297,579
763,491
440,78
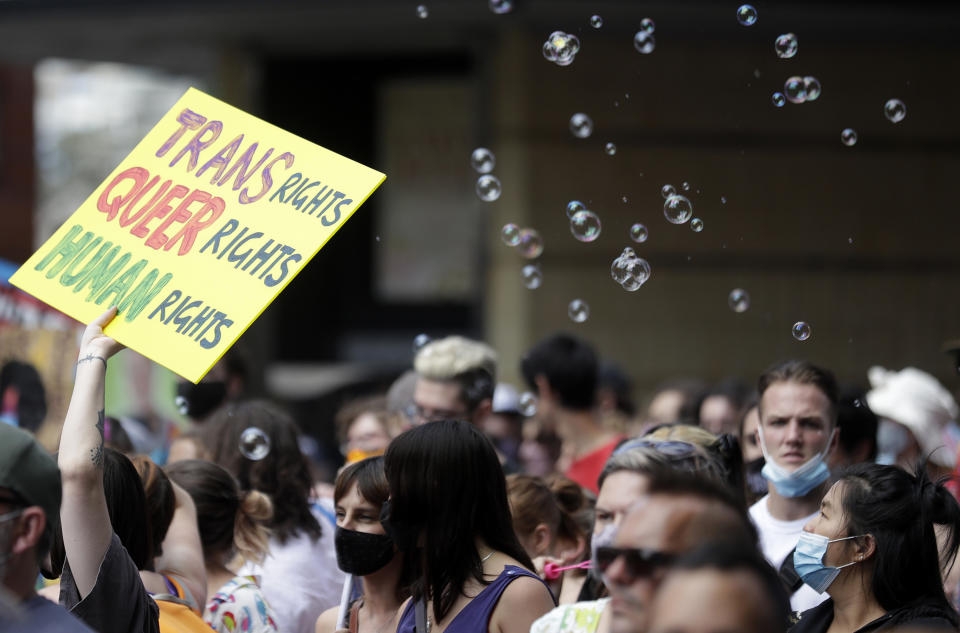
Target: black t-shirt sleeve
x,y
118,601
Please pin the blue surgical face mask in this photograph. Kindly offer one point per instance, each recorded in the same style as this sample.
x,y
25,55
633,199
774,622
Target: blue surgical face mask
x,y
808,560
798,482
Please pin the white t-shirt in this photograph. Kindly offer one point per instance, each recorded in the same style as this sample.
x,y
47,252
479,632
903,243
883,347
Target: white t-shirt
x,y
300,578
777,539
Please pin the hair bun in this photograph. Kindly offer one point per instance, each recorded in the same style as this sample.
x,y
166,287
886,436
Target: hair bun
x,y
256,506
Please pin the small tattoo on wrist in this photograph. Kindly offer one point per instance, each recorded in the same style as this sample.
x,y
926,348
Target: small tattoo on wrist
x,y
92,357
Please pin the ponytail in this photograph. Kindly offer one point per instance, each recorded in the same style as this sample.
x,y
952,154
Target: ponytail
x,y
576,510
250,532
899,510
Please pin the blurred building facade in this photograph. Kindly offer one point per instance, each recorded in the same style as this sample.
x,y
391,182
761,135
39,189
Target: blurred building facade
x,y
857,241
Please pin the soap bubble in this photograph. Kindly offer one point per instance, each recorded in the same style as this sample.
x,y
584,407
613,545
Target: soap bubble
x,y
696,225
638,233
894,110
812,86
644,42
532,277
778,99
488,187
573,206
677,209
685,186
747,15
848,137
610,149
254,444
667,190
801,330
501,6
422,11
795,89
561,48
585,226
482,160
738,300
723,200
581,125
530,244
528,404
786,45
637,272
578,311
510,234
596,21
647,25
419,341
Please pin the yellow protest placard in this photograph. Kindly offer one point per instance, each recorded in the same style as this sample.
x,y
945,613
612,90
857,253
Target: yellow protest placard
x,y
196,232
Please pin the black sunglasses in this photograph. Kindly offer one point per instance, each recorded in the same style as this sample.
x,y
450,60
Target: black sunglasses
x,y
639,563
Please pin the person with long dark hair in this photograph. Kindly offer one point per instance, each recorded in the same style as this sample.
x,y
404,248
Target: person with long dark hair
x,y
448,511
873,549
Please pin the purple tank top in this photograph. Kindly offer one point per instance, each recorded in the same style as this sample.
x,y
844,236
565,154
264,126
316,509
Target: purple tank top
x,y
475,617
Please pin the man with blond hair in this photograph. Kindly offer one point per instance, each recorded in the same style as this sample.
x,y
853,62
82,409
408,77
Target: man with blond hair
x,y
456,377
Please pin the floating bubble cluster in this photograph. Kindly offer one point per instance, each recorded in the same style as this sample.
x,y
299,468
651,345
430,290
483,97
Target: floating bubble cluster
x,y
795,89
786,45
578,311
422,11
530,244
677,209
573,206
747,15
510,234
560,48
585,226
482,160
596,21
581,125
696,225
848,137
609,149
801,330
254,444
638,233
644,42
500,6
528,404
667,190
532,277
738,300
778,99
488,187
419,341
629,270
895,110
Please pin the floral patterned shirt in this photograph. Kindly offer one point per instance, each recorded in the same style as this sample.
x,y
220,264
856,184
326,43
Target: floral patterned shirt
x,y
239,606
579,617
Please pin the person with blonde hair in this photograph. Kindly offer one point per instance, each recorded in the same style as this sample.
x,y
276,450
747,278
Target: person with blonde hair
x,y
456,377
232,524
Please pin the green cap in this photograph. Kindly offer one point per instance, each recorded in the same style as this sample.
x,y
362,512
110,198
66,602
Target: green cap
x,y
29,471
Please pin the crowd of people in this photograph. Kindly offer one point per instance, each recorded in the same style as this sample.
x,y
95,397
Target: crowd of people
x,y
464,506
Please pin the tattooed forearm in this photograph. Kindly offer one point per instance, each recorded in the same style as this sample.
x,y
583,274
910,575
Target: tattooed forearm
x,y
96,454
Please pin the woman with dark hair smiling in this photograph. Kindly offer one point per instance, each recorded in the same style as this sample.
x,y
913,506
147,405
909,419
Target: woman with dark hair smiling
x,y
873,548
448,510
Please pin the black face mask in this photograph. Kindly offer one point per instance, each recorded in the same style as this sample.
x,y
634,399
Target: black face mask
x,y
198,400
360,553
756,482
404,536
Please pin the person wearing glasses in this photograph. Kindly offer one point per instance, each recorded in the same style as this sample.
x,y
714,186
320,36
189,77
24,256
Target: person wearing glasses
x,y
636,481
456,378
